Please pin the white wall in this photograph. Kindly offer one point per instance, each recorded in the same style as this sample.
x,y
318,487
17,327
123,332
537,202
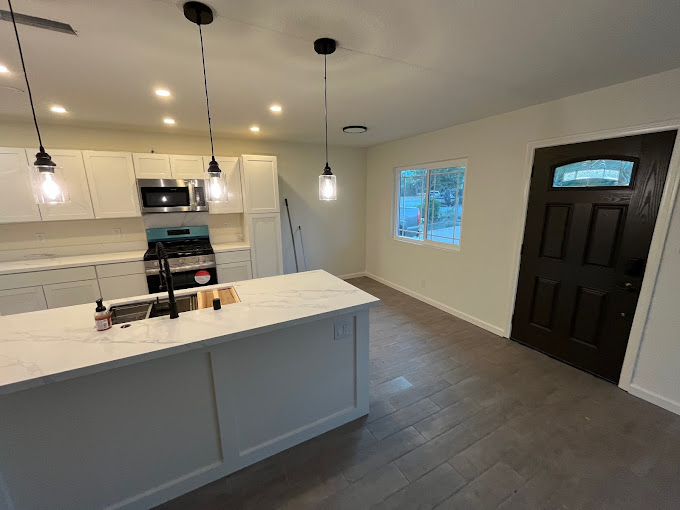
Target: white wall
x,y
478,281
334,233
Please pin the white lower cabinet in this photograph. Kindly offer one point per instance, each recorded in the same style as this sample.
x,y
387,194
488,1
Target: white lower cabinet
x,y
266,254
29,299
234,272
129,285
71,293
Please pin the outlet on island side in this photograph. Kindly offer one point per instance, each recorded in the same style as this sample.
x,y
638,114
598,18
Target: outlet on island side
x,y
343,327
40,238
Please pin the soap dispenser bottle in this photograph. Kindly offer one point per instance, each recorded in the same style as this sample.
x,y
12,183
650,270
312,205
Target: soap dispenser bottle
x,y
102,317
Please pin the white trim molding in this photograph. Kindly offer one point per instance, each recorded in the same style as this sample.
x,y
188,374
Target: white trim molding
x,y
497,330
655,249
654,398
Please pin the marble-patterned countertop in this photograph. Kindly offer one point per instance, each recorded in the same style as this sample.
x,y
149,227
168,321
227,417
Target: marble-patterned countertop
x,y
27,265
46,346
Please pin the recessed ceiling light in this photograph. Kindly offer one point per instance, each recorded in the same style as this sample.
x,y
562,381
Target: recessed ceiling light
x,y
168,120
275,108
58,109
355,129
3,69
162,93
254,129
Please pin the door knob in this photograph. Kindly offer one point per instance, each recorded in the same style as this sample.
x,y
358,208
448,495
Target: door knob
x,y
629,287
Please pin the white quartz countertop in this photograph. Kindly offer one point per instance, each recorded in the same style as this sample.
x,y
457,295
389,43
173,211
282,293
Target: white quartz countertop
x,y
59,262
46,346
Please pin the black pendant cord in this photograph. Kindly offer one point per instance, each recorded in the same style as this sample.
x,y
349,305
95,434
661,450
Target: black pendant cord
x,y
325,104
23,65
205,83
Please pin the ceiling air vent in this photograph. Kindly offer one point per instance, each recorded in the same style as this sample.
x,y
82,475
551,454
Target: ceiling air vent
x,y
33,21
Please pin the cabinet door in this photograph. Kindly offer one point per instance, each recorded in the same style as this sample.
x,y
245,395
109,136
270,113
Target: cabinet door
x,y
187,167
130,285
73,171
29,299
234,272
151,166
261,187
265,244
16,194
232,168
71,293
113,188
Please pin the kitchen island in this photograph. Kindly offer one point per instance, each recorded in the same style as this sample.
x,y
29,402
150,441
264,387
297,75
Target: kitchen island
x,y
135,416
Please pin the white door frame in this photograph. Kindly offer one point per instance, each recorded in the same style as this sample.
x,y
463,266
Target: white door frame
x,y
656,247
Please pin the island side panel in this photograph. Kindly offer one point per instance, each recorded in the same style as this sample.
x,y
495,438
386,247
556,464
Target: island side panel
x,y
278,389
131,437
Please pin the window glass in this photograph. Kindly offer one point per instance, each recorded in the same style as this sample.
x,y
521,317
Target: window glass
x,y
445,207
412,186
593,172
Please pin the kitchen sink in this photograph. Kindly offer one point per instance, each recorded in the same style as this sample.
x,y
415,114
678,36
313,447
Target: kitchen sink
x,y
120,314
184,304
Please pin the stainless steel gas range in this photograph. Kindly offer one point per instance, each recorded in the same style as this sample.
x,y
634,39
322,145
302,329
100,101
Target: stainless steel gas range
x,y
191,257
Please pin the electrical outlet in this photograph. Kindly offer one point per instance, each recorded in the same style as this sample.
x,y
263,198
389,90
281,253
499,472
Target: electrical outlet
x,y
40,238
117,233
344,327
226,224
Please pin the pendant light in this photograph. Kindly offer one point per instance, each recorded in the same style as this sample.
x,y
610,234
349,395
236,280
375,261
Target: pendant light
x,y
46,177
328,189
215,179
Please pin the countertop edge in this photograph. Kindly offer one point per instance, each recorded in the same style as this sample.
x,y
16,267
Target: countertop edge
x,y
170,351
50,264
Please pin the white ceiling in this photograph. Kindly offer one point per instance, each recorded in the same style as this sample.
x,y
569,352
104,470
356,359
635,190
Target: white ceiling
x,y
404,66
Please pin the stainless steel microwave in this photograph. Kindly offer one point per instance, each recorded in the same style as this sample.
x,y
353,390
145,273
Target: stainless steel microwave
x,y
171,195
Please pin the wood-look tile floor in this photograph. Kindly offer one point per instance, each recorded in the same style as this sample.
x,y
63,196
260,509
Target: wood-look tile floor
x,y
461,418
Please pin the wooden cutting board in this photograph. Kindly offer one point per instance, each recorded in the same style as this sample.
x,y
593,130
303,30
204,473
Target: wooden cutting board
x,y
227,296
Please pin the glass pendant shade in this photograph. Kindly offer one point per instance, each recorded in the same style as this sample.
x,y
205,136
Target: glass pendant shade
x,y
215,184
49,182
328,189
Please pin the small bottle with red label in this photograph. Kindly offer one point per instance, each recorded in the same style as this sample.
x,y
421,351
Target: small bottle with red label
x,y
102,317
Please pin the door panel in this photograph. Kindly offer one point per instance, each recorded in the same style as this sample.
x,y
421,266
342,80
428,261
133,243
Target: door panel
x,y
590,219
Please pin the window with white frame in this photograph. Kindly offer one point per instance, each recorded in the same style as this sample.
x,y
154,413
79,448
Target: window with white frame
x,y
429,202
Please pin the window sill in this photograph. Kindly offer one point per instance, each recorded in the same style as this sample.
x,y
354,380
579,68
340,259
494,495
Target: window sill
x,y
429,244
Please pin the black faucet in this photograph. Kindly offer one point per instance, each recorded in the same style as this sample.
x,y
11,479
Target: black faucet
x,y
166,278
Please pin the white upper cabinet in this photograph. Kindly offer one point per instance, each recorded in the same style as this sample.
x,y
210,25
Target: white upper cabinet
x,y
73,171
187,167
261,181
16,194
152,166
232,168
113,188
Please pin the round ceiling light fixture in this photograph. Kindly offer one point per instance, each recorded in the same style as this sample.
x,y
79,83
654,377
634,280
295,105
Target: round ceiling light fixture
x,y
355,129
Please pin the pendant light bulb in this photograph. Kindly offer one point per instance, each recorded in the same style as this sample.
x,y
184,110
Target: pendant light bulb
x,y
215,183
215,180
49,185
328,188
48,181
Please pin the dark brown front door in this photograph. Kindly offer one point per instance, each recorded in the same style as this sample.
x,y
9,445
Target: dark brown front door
x,y
591,214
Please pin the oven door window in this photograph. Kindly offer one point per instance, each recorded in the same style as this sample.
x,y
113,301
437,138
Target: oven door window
x,y
166,197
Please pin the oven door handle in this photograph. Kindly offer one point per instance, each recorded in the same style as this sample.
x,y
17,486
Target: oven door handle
x,y
185,269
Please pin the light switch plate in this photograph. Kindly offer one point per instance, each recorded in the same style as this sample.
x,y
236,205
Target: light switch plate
x,y
344,327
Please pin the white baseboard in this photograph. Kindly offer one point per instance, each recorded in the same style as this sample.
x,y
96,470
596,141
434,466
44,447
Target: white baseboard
x,y
352,275
650,396
457,313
